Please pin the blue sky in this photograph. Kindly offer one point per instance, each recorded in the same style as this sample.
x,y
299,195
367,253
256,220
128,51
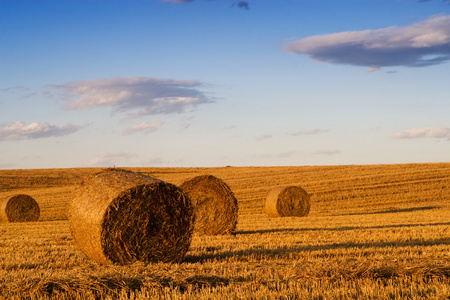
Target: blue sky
x,y
140,83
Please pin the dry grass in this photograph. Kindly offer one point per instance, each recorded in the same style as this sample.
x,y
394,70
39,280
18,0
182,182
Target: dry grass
x,y
373,232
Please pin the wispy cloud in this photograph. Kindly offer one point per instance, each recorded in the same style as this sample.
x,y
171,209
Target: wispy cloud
x,y
178,1
19,88
110,160
373,69
241,4
422,44
145,127
427,132
309,131
445,1
19,131
263,137
139,96
186,121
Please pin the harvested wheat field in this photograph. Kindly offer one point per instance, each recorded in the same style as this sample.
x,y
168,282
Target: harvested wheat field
x,y
372,232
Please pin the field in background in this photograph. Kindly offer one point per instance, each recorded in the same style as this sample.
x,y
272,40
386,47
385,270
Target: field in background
x,y
373,232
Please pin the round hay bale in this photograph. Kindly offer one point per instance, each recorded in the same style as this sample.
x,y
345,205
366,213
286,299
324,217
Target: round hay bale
x,y
287,201
19,208
215,206
120,217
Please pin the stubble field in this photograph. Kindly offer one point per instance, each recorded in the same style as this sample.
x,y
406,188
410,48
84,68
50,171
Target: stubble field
x,y
373,232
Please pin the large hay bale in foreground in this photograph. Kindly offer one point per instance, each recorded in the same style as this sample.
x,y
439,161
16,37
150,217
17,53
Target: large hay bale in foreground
x,y
19,208
215,206
121,217
287,201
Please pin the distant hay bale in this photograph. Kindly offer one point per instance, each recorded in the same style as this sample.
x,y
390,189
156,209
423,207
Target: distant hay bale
x,y
121,217
215,206
19,208
287,201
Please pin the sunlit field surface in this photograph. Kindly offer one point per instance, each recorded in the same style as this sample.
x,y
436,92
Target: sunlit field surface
x,y
373,232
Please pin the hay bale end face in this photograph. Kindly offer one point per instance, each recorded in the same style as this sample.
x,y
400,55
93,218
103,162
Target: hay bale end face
x,y
121,217
215,206
287,201
19,208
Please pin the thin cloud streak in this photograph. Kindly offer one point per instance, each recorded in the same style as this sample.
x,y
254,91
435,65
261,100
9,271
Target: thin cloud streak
x,y
240,4
144,127
427,132
19,131
138,96
263,137
309,131
422,44
372,69
19,88
445,1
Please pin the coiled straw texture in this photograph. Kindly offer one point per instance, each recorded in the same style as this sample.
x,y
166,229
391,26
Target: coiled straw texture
x,y
121,217
215,206
19,208
287,201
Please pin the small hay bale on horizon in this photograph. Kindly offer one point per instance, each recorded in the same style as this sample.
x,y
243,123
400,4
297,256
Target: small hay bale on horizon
x,y
287,201
215,206
120,217
19,208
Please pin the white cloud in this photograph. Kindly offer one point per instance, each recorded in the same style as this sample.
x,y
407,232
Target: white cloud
x,y
428,132
309,131
110,160
19,131
422,44
139,96
144,127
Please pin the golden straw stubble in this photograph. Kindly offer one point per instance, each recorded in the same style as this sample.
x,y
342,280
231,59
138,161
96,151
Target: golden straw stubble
x,y
215,206
287,201
121,217
19,208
